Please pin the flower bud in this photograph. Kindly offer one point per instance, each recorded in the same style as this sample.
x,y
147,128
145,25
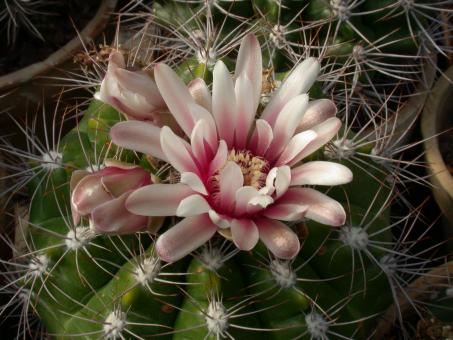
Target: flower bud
x,y
133,93
100,196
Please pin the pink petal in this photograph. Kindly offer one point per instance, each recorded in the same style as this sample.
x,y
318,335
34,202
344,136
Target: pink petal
x,y
299,81
285,211
125,180
192,205
230,180
88,194
209,129
157,199
198,143
76,177
133,93
317,112
261,138
200,93
116,60
138,136
184,237
325,131
112,217
286,124
278,238
177,151
176,96
224,102
295,146
245,109
140,83
113,163
322,208
249,63
320,173
109,85
194,182
219,159
245,234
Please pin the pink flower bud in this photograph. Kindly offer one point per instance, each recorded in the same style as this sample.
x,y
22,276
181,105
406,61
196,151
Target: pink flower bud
x,y
100,196
133,93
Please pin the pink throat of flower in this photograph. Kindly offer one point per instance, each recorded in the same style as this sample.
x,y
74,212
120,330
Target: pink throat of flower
x,y
254,171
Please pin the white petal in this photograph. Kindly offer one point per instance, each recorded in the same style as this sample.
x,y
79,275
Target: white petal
x,y
141,84
176,96
210,129
224,102
192,205
285,212
200,93
286,124
282,180
295,146
245,234
219,220
258,203
230,180
325,131
320,173
157,199
245,109
177,151
278,238
138,136
243,197
317,112
277,180
249,62
185,237
322,208
194,182
270,180
299,81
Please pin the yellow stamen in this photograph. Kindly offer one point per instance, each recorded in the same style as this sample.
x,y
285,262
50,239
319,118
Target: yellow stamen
x,y
254,168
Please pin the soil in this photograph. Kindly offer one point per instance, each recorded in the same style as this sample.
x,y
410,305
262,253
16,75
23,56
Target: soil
x,y
58,27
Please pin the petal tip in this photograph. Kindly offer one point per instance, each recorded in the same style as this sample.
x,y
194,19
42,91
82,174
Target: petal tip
x,y
162,251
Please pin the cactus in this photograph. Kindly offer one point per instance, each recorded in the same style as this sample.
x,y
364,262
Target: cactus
x,y
278,220
19,13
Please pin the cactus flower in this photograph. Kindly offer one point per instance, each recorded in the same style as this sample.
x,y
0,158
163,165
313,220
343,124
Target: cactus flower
x,y
239,175
101,196
133,93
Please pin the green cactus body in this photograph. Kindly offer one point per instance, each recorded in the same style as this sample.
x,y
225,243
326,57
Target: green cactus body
x,y
96,286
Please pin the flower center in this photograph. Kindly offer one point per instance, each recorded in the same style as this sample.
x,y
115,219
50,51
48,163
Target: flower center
x,y
254,168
